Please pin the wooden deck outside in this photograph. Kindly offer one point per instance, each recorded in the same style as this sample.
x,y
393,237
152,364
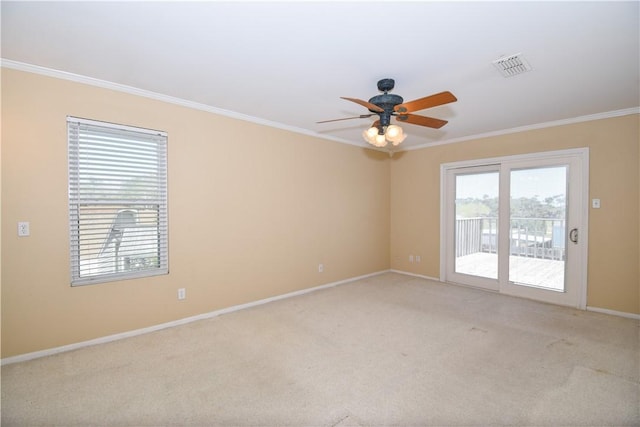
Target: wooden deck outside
x,y
544,273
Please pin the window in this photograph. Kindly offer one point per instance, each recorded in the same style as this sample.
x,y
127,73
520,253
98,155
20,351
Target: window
x,y
117,201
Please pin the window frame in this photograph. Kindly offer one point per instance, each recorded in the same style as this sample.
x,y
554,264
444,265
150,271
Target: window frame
x,y
149,234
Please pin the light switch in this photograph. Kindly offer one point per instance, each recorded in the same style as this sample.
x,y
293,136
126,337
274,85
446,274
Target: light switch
x,y
595,203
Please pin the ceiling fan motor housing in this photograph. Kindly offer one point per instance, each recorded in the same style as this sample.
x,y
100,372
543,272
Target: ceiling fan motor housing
x,y
387,102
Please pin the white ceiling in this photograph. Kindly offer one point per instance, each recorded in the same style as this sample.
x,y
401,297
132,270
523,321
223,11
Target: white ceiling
x,y
288,63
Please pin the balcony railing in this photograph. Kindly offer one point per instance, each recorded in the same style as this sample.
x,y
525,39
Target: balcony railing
x,y
529,237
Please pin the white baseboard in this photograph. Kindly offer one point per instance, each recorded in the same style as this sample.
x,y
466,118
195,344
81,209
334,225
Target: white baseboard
x,y
614,313
435,279
589,308
136,332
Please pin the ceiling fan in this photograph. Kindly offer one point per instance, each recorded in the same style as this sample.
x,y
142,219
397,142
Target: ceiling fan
x,y
389,105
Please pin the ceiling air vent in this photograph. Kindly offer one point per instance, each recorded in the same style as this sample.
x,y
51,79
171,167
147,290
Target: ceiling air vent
x,y
512,65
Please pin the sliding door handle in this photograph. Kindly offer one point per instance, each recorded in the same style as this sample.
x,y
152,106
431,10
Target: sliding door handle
x,y
573,235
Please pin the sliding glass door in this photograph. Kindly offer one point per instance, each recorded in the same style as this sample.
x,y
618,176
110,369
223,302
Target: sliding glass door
x,y
538,222
515,226
475,228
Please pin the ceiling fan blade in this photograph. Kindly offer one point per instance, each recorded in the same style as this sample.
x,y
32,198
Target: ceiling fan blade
x,y
426,102
362,116
414,119
370,106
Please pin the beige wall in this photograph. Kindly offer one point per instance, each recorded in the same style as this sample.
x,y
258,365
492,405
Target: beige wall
x,y
252,212
614,232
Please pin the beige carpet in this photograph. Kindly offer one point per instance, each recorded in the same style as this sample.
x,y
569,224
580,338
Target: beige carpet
x,y
391,350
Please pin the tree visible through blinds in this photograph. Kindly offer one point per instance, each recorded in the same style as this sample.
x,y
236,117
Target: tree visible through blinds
x,y
117,201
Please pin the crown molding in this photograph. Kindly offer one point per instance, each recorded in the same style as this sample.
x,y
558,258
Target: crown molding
x,y
588,118
21,66
77,78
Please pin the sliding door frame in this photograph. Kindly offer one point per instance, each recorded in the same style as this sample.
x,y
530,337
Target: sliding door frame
x,y
581,153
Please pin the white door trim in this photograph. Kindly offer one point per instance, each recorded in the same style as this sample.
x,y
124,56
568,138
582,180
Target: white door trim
x,y
582,153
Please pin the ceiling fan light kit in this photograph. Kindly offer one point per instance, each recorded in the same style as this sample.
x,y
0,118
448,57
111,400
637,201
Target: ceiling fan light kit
x,y
393,134
389,105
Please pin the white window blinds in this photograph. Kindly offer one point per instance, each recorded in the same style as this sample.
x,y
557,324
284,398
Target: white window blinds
x,y
117,201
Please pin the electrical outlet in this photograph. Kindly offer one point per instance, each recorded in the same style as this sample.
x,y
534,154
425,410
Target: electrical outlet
x,y
320,268
182,293
410,258
418,258
23,229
